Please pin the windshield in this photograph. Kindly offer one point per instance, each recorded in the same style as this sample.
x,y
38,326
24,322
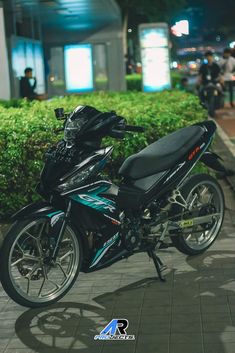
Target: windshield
x,y
73,125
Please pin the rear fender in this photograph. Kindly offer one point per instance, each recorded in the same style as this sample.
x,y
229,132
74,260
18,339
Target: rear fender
x,y
212,160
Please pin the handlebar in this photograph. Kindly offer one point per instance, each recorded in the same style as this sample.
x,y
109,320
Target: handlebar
x,y
133,128
117,134
121,129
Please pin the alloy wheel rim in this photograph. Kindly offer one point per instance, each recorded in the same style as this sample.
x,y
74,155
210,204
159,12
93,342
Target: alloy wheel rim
x,y
39,282
200,240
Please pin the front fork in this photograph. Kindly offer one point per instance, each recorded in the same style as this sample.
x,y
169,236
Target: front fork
x,y
61,233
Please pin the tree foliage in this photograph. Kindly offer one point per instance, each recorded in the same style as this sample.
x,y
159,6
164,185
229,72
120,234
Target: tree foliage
x,y
135,12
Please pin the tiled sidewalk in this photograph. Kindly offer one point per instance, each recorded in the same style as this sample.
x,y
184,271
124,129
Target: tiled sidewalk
x,y
226,119
193,312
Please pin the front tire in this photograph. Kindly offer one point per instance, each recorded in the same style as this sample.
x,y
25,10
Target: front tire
x,y
25,277
209,199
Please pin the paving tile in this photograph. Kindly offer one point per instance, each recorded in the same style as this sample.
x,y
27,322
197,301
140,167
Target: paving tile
x,y
232,309
155,310
222,337
17,343
4,342
118,349
154,339
154,327
125,311
186,309
186,348
218,326
213,300
219,348
19,350
210,309
189,338
217,317
186,327
152,347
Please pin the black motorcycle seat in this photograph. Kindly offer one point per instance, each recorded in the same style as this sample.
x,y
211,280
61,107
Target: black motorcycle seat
x,y
162,154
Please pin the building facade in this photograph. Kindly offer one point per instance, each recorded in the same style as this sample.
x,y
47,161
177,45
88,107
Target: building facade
x,y
73,46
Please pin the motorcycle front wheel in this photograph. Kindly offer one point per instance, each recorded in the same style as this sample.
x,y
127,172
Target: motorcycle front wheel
x,y
26,274
205,196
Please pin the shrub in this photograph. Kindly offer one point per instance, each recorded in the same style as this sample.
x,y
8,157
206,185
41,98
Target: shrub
x,y
176,77
134,81
27,132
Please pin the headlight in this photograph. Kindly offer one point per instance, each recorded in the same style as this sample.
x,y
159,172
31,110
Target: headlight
x,y
76,178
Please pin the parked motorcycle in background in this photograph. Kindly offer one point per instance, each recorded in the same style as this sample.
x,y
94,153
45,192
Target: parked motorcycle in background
x,y
86,222
213,97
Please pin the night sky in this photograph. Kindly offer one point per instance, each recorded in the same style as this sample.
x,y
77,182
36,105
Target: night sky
x,y
218,12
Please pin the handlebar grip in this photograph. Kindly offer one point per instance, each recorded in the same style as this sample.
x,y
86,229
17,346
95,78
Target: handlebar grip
x,y
117,134
133,128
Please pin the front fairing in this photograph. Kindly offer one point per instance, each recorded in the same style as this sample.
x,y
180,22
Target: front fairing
x,y
63,164
59,161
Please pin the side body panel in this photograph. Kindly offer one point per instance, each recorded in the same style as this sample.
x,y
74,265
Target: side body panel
x,y
96,202
134,194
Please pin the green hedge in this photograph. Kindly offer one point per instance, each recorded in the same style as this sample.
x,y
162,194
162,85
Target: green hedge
x,y
134,81
26,132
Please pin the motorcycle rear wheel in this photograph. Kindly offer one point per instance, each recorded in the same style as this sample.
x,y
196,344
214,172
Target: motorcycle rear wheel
x,y
211,106
209,199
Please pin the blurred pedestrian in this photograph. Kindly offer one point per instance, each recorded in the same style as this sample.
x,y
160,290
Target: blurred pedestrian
x,y
227,65
28,84
209,72
183,84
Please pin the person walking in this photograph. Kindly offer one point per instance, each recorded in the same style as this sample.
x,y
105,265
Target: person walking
x,y
227,65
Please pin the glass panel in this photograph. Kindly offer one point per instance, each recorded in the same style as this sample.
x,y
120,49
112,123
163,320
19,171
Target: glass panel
x,y
39,68
18,58
78,68
27,53
100,67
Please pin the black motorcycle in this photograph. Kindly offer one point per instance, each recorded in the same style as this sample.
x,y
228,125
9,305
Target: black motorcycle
x,y
87,223
213,97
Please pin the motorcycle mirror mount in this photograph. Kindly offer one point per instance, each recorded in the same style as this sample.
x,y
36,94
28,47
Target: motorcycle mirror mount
x,y
59,113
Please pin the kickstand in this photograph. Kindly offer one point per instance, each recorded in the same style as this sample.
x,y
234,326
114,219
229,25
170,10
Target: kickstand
x,y
158,264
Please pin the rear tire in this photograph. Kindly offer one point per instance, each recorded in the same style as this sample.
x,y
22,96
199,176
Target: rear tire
x,y
187,189
12,247
211,106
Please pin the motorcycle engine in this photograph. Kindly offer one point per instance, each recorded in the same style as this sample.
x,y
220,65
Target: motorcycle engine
x,y
131,234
